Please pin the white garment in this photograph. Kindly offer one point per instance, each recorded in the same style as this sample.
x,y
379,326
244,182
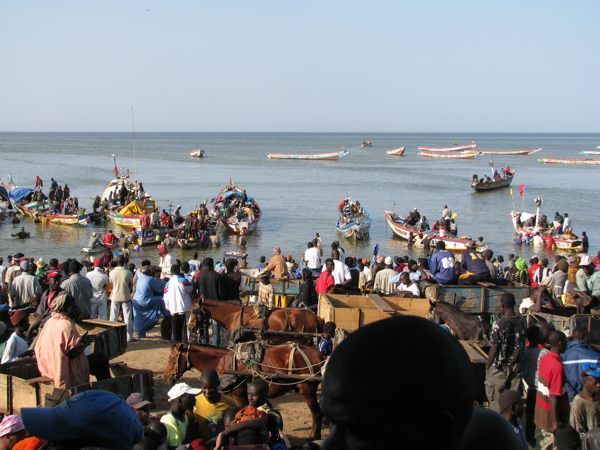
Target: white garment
x,y
383,281
340,273
115,307
537,241
99,281
165,265
177,295
15,347
24,289
367,274
567,223
312,257
412,288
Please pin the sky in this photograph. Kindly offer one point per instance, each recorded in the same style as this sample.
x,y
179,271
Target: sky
x,y
302,66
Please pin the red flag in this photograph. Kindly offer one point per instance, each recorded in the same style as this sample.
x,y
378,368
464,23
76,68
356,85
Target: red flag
x,y
116,171
522,190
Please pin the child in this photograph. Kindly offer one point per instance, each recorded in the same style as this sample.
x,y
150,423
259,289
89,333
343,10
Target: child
x,y
266,295
326,341
261,263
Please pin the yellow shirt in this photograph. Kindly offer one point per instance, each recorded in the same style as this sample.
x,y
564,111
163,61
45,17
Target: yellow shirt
x,y
176,430
211,413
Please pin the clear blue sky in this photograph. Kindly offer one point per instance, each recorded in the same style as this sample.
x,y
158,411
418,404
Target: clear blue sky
x,y
283,65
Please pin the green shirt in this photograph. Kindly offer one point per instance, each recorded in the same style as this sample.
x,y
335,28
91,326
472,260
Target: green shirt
x,y
589,284
176,430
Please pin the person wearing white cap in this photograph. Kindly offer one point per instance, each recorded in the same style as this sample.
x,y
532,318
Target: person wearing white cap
x,y
25,289
587,290
383,280
180,426
95,241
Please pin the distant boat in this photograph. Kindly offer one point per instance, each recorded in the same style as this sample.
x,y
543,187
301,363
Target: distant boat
x,y
364,144
574,162
590,152
396,152
481,186
452,148
332,156
462,155
197,153
526,151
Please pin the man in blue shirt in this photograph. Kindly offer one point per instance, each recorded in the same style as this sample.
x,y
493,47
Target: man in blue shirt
x,y
441,264
474,268
577,354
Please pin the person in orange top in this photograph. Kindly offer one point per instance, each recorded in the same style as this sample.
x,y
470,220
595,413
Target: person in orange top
x,y
326,282
277,265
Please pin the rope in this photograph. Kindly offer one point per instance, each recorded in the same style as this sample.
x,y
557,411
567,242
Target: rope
x,y
291,383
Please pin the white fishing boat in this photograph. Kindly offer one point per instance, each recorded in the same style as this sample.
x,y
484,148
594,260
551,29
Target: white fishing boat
x,y
525,151
451,148
197,153
591,152
332,156
396,152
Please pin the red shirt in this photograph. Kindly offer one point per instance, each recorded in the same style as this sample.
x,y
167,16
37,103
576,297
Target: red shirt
x,y
532,270
109,239
145,221
552,382
324,282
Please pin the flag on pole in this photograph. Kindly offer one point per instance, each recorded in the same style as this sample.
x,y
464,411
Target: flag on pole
x,y
522,190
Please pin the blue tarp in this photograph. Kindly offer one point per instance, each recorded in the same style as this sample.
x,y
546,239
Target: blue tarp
x,y
18,194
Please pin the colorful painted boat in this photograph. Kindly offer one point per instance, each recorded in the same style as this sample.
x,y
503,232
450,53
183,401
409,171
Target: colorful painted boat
x,y
452,148
460,155
238,222
563,242
407,232
130,215
197,153
396,152
357,226
574,162
526,151
480,186
20,199
332,156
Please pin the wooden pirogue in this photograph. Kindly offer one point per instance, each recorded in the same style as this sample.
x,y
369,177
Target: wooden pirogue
x,y
526,151
482,186
574,162
460,155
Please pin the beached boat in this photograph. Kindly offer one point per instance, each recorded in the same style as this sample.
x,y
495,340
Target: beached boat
x,y
21,201
460,155
407,232
331,156
365,144
354,221
526,151
590,152
452,148
396,152
574,162
237,210
481,186
197,153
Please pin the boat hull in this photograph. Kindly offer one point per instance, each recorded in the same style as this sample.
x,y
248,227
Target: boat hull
x,y
462,155
455,148
51,218
197,154
396,152
232,224
332,156
527,151
358,230
124,221
492,185
574,162
591,152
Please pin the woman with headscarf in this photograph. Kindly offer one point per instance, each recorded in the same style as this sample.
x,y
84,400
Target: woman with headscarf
x,y
148,304
42,314
59,347
307,297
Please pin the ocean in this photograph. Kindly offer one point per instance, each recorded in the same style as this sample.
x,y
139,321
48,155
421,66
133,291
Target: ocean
x,y
299,198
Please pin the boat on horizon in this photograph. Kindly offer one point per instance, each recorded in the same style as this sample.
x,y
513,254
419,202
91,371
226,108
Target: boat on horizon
x,y
330,156
591,152
461,155
452,148
573,162
525,151
396,152
365,144
197,153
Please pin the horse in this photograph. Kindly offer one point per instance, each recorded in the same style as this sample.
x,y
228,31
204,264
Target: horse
x,y
233,317
291,358
465,326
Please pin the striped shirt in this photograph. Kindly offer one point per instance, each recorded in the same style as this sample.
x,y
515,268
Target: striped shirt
x,y
531,365
552,382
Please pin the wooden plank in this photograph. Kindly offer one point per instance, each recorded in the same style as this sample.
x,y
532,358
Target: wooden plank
x,y
24,395
486,284
380,303
4,393
473,355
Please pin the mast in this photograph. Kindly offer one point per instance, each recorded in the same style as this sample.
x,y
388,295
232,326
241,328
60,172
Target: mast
x,y
134,152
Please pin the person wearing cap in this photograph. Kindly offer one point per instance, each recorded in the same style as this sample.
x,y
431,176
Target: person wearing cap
x,y
383,280
277,265
140,406
474,268
95,241
12,430
587,290
211,404
511,408
59,347
25,288
552,401
165,261
89,419
80,288
181,427
585,408
100,283
578,354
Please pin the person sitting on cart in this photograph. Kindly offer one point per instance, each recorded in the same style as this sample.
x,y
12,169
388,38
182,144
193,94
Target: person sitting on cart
x,y
587,290
474,268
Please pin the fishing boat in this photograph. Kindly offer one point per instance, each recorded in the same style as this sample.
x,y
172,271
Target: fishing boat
x,y
129,216
237,210
460,155
354,221
365,144
99,249
482,186
331,156
527,224
22,200
525,151
197,153
408,232
396,152
574,162
590,152
452,148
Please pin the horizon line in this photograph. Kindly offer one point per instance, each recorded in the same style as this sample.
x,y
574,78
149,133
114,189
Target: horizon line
x,y
304,132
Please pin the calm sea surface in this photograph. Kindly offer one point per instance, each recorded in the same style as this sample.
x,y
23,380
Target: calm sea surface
x,y
299,198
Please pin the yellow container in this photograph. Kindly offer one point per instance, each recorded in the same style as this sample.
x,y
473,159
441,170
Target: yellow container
x,y
281,301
